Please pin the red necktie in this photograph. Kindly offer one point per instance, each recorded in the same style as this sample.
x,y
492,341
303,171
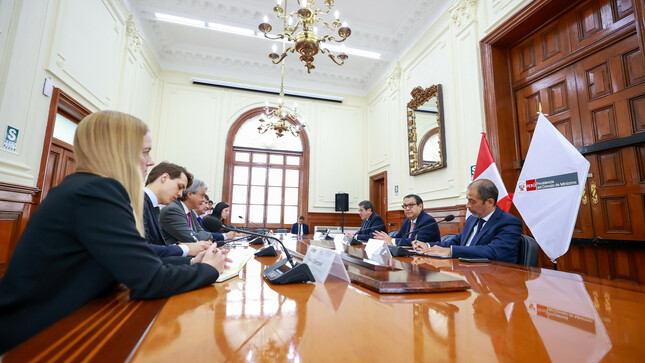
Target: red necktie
x,y
190,221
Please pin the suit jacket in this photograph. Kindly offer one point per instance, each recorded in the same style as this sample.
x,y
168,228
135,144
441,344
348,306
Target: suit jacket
x,y
498,240
305,228
153,232
427,234
175,226
81,241
373,223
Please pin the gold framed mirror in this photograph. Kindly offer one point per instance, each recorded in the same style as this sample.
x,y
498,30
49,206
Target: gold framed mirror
x,y
426,136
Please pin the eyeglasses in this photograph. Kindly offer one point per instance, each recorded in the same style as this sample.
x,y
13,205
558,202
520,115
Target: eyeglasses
x,y
408,206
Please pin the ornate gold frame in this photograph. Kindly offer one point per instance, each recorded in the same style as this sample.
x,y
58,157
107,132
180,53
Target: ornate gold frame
x,y
419,97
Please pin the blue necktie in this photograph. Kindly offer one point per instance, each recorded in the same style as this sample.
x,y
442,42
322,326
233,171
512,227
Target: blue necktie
x,y
480,223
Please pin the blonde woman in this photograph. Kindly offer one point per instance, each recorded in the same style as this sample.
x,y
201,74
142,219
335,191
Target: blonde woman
x,y
87,236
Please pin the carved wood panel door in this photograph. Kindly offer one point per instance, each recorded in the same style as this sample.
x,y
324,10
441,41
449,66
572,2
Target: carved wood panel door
x,y
558,97
60,163
611,95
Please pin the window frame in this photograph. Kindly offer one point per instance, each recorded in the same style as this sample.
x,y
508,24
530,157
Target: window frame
x,y
230,163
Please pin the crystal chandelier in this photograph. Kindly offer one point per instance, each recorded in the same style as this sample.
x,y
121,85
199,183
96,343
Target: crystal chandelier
x,y
282,114
304,33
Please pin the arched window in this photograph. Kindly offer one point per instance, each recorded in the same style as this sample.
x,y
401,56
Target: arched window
x,y
265,176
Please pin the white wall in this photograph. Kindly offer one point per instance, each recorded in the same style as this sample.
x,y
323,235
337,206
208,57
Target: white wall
x,y
87,49
194,121
448,54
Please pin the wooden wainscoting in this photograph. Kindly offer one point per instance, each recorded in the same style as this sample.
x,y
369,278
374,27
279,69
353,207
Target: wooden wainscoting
x,y
16,205
331,219
616,260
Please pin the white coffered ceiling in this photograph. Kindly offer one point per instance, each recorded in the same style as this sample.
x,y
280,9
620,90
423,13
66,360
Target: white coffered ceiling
x,y
385,27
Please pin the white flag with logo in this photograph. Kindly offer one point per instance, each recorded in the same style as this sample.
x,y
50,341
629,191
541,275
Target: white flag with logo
x,y
550,187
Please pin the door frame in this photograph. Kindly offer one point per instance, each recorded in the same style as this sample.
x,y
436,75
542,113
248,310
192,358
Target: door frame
x,y
374,181
63,104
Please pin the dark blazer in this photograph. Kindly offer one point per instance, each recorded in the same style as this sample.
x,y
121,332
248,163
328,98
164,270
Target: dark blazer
x,y
175,227
427,234
373,223
498,240
305,228
81,241
153,232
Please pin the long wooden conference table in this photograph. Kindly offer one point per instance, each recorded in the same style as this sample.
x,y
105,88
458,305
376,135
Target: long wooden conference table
x,y
509,313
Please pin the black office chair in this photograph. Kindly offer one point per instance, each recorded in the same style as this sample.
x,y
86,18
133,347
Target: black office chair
x,y
392,233
448,236
261,231
529,251
281,230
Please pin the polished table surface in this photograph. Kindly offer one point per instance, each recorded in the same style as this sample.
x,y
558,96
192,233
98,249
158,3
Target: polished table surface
x,y
510,312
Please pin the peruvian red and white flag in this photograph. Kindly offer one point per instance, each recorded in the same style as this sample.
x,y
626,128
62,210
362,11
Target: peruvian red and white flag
x,y
550,187
487,169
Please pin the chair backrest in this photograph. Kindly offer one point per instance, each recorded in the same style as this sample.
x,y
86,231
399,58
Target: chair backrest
x,y
261,230
448,236
392,233
281,230
529,251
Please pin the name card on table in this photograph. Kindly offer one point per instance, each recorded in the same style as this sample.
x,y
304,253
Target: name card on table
x,y
324,262
377,251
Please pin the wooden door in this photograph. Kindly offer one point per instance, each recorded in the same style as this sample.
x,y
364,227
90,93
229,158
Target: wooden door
x,y
378,194
611,95
60,163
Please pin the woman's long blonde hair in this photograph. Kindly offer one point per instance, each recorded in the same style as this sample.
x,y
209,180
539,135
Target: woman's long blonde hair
x,y
109,144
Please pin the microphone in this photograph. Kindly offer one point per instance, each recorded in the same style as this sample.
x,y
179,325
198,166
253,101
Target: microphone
x,y
356,242
279,273
398,251
213,225
448,218
255,241
254,224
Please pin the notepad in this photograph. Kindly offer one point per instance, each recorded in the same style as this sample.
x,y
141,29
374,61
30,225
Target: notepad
x,y
240,257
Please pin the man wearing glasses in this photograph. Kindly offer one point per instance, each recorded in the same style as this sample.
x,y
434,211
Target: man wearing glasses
x,y
419,225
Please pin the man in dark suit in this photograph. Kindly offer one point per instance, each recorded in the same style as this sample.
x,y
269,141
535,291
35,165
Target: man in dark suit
x,y
371,222
301,227
489,233
179,221
418,226
165,184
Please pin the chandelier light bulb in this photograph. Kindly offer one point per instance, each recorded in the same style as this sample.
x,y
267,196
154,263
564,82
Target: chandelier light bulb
x,y
336,15
279,2
274,48
345,24
315,30
290,21
265,19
